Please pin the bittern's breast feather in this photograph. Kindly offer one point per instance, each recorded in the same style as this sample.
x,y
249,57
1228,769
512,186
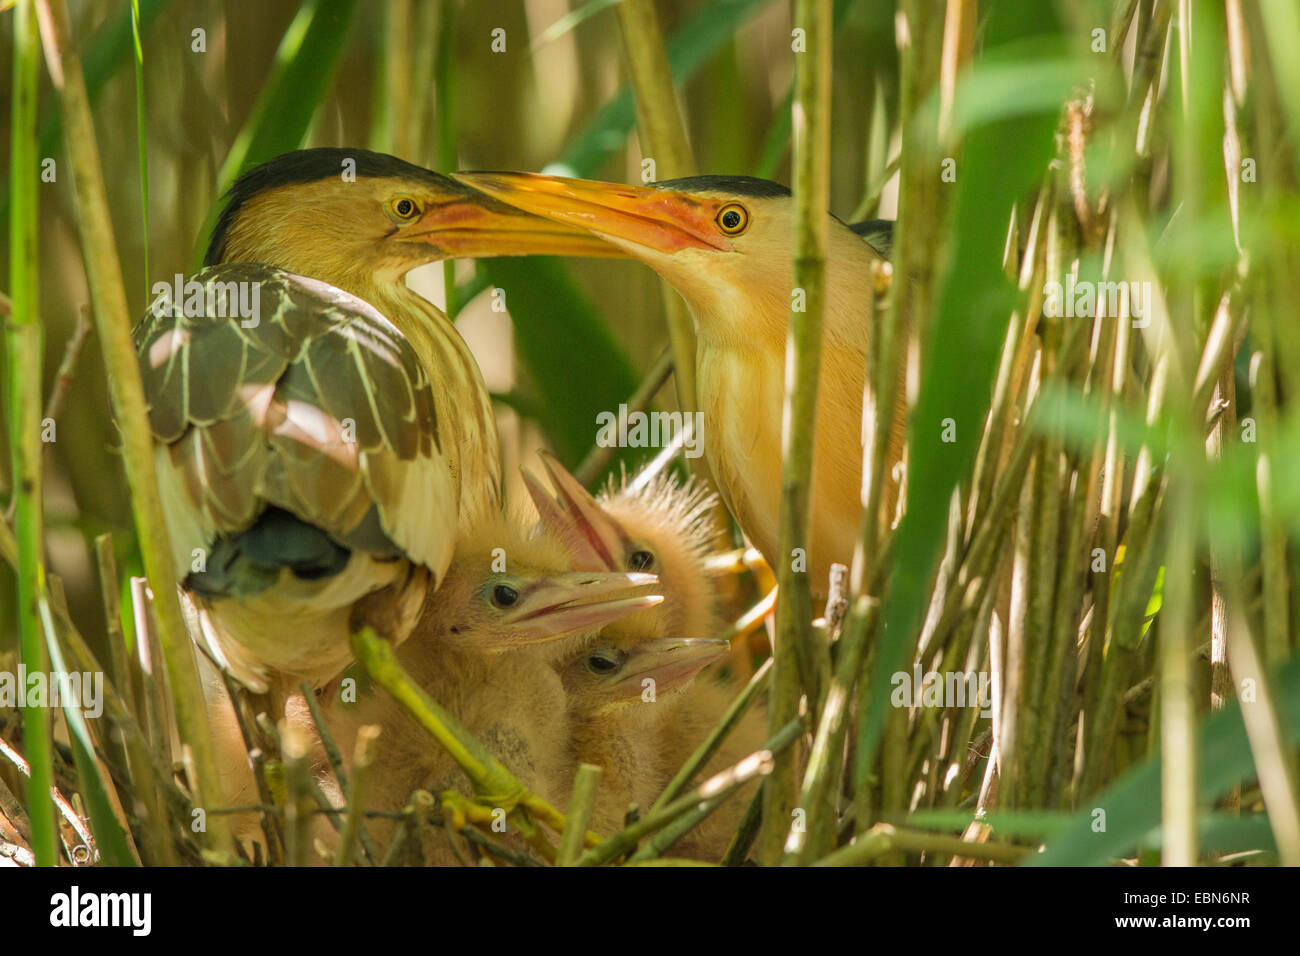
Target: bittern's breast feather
x,y
268,388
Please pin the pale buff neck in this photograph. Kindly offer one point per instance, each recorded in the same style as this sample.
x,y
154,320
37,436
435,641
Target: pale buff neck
x,y
467,426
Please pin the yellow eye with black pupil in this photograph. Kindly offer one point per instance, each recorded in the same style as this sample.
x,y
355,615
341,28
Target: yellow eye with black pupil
x,y
732,219
403,208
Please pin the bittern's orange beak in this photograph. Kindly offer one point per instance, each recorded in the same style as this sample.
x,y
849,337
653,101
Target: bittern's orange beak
x,y
595,540
669,662
658,219
563,604
473,225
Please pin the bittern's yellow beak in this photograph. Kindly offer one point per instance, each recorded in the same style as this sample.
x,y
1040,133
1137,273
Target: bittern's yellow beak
x,y
567,603
473,225
657,219
669,662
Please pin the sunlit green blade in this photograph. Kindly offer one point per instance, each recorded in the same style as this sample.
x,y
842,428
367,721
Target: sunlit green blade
x,y
304,64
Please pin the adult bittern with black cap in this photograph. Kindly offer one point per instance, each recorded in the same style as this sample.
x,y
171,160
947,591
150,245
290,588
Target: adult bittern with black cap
x,y
338,438
726,244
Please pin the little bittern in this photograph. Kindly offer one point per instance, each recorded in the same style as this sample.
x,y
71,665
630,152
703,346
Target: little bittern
x,y
726,244
322,431
617,692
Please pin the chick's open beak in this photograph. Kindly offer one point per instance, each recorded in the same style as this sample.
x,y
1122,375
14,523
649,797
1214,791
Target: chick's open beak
x,y
657,219
563,604
596,541
475,225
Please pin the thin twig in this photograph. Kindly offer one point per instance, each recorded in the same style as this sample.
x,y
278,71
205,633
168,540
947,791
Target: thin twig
x,y
68,366
352,823
884,838
746,832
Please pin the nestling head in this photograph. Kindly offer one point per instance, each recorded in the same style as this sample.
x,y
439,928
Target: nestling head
x,y
611,673
644,523
513,585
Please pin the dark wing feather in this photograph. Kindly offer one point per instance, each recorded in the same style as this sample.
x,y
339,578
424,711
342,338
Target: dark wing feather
x,y
878,234
320,407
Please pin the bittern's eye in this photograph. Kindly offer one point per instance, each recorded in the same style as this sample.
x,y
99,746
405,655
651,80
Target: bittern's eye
x,y
733,219
641,560
603,662
503,595
403,208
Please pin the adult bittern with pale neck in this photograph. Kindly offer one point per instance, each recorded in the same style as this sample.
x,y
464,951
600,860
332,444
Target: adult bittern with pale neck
x,y
726,244
338,439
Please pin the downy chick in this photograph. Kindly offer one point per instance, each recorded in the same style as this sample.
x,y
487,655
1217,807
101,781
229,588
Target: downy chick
x,y
617,699
639,733
484,648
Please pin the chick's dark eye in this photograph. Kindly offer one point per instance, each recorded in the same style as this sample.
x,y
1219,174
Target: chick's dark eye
x,y
405,207
733,219
599,664
641,560
503,595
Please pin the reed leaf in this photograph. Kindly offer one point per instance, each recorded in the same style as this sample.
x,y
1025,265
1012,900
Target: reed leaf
x,y
304,65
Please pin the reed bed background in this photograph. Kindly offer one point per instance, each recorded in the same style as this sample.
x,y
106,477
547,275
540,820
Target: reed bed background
x,y
1100,513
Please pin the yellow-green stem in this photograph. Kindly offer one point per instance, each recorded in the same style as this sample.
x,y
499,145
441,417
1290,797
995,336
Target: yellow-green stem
x,y
797,659
23,339
579,813
113,323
